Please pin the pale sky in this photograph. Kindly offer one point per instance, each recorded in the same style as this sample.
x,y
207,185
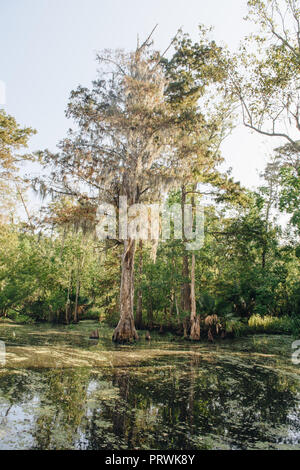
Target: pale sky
x,y
47,48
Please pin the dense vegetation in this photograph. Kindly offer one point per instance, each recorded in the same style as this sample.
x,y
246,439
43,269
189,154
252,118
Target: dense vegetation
x,y
153,129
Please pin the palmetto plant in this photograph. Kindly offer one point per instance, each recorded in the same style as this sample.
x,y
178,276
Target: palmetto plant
x,y
218,318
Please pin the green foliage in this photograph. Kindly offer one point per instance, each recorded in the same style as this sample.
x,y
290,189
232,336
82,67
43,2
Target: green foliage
x,y
290,193
93,314
20,318
267,81
13,139
38,275
272,325
235,327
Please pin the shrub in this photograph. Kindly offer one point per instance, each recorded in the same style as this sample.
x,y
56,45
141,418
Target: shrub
x,y
236,328
272,325
20,317
92,314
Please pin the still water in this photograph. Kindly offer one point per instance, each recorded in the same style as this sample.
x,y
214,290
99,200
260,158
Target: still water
x,y
60,390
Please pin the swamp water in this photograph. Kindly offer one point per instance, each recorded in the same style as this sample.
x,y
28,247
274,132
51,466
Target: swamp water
x,y
60,390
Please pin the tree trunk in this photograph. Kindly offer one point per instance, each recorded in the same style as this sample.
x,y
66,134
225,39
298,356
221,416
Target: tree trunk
x,y
125,330
185,289
75,313
139,309
195,319
68,300
150,315
177,308
263,257
78,284
186,292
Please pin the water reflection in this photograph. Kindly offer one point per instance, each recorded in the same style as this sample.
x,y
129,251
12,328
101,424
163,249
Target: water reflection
x,y
172,402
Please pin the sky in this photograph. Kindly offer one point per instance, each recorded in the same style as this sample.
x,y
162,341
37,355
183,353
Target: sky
x,y
48,48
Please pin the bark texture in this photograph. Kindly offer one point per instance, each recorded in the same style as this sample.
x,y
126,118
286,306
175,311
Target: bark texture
x,y
125,330
139,307
195,319
185,289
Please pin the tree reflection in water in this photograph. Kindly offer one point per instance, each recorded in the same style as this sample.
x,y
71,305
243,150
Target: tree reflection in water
x,y
172,402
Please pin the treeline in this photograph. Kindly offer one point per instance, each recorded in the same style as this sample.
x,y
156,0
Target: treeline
x,y
62,273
